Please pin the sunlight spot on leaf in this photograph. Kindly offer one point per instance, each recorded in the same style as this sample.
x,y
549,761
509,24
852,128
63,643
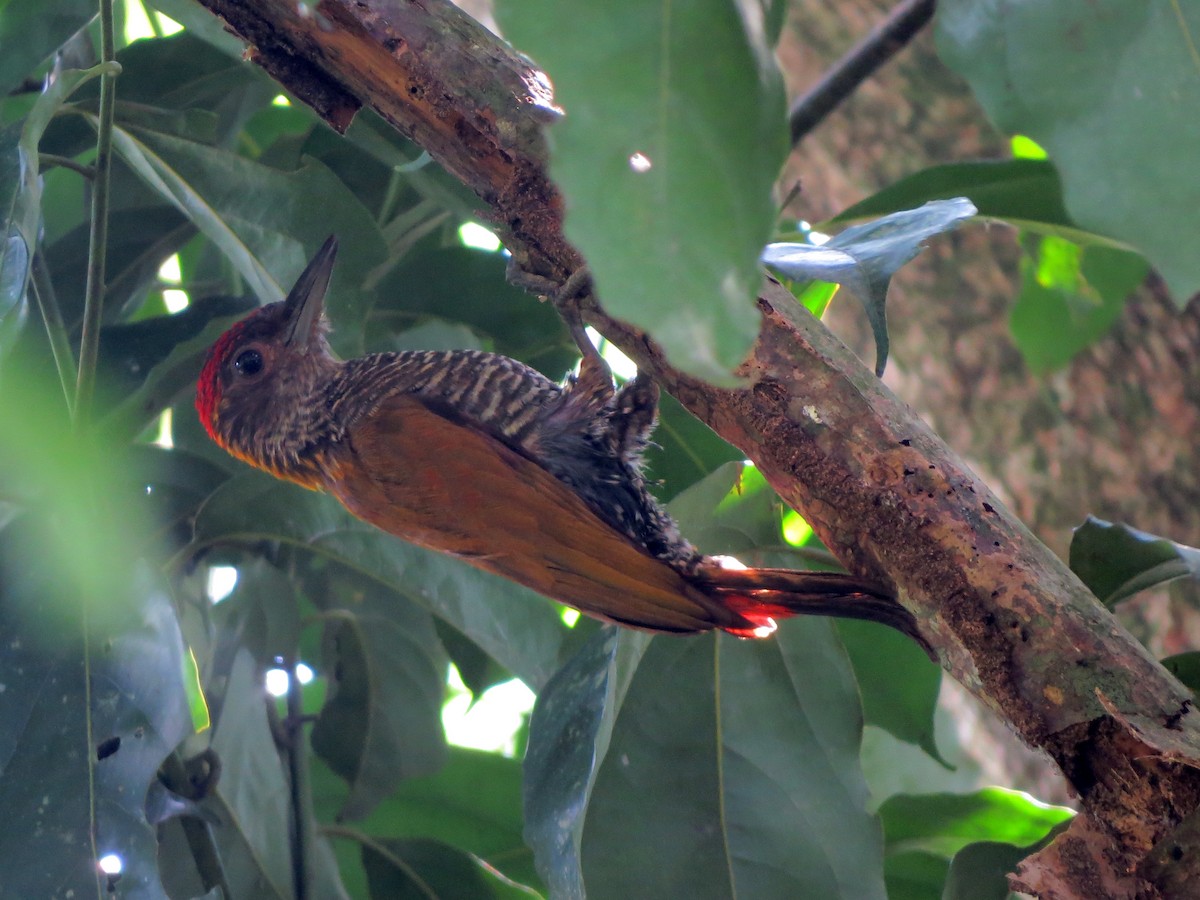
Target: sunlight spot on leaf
x,y
281,100
277,682
491,722
475,236
796,531
165,437
221,582
640,162
111,864
570,616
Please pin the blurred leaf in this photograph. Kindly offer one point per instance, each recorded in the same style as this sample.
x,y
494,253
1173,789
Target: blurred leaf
x,y
140,238
147,364
464,285
68,799
519,628
684,449
1109,89
1116,561
898,683
569,735
1070,297
31,32
738,762
864,257
729,511
381,722
1026,193
980,871
266,222
420,868
252,799
1185,667
21,195
200,23
666,169
473,803
945,823
915,875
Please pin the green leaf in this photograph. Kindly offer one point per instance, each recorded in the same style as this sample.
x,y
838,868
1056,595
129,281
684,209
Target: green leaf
x,y
420,868
1070,297
381,722
898,683
666,164
864,257
980,871
1023,192
264,221
1116,561
738,762
1185,667
21,195
473,803
945,823
1111,90
31,32
684,449
569,735
82,730
252,801
915,876
520,629
148,364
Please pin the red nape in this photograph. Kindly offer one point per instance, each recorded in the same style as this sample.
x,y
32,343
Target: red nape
x,y
208,385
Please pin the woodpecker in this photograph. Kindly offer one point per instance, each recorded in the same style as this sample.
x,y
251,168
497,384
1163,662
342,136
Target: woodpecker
x,y
479,456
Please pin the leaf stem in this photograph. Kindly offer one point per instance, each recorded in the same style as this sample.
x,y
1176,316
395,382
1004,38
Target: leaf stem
x,y
56,329
302,826
864,60
47,160
89,343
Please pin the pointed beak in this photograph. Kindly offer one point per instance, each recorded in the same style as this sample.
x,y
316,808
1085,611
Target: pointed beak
x,y
306,300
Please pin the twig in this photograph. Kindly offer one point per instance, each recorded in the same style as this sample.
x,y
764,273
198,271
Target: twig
x,y
298,770
884,42
89,343
46,160
56,329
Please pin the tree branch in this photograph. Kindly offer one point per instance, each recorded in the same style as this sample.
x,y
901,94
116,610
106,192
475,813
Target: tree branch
x,y
860,63
881,490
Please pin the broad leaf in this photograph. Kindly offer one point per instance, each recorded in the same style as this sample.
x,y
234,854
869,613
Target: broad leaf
x,y
1070,296
31,32
980,871
864,257
1110,90
1023,192
381,722
1116,561
666,163
516,626
945,823
252,801
420,868
473,803
569,736
738,762
84,730
266,222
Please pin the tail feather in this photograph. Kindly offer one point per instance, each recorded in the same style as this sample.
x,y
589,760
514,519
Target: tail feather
x,y
762,595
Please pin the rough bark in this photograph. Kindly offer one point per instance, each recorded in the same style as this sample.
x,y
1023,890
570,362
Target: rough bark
x,y
881,489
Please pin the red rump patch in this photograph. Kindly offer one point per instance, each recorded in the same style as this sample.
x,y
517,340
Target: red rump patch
x,y
208,385
762,614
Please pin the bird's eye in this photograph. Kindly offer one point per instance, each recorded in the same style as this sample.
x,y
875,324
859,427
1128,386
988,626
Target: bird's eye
x,y
248,362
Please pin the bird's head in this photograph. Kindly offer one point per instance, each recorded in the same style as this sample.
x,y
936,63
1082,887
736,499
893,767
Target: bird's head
x,y
262,374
